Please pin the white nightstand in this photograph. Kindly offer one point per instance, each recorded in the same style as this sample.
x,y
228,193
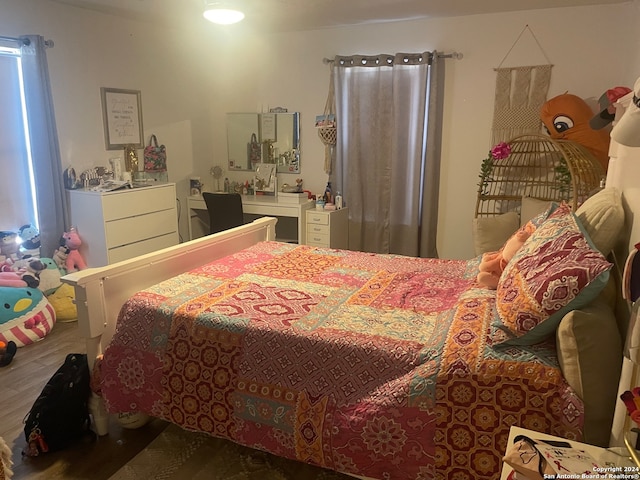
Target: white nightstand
x,y
601,455
328,228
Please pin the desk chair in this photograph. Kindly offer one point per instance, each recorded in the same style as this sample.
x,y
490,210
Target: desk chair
x,y
225,210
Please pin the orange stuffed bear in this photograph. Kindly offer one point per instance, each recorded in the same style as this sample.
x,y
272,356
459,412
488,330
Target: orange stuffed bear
x,y
493,263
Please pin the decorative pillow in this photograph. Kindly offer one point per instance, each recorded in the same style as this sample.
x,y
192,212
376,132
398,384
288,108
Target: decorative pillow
x,y
602,216
490,233
590,355
557,270
532,207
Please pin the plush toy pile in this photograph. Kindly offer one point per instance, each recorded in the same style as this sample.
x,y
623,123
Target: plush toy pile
x,y
33,294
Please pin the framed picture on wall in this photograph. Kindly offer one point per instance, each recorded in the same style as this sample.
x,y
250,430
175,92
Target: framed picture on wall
x,y
122,117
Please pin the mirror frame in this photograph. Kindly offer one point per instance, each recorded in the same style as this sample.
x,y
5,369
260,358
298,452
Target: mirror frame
x,y
284,128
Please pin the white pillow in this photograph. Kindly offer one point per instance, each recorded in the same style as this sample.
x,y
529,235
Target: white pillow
x,y
602,216
530,207
490,233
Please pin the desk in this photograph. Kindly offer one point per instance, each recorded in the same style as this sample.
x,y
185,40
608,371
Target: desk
x,y
262,205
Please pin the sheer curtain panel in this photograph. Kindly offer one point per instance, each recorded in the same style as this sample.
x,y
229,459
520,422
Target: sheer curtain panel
x,y
389,110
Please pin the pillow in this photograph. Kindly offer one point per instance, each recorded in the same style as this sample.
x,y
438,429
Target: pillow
x,y
532,207
490,233
589,350
602,216
557,270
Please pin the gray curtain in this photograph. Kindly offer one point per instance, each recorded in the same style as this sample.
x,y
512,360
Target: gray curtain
x,y
50,196
388,111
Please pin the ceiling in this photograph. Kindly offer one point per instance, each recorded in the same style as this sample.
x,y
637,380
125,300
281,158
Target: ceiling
x,y
290,15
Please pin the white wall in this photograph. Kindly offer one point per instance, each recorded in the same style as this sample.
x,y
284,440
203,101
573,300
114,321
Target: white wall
x,y
191,77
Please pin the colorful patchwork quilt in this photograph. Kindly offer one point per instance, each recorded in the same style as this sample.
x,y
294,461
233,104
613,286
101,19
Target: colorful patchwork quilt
x,y
368,364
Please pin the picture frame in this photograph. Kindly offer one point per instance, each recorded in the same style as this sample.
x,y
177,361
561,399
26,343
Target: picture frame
x,y
122,117
268,127
265,181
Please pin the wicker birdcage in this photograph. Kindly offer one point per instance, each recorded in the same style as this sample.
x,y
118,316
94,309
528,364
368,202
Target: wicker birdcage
x,y
538,167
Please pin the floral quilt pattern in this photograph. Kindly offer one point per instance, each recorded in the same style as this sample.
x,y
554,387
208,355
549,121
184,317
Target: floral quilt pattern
x,y
369,364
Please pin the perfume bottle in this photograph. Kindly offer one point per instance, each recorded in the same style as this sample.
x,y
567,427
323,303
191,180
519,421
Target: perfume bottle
x,y
130,159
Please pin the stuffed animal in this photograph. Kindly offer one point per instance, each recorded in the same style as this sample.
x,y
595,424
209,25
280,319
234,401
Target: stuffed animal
x,y
49,277
24,273
74,260
27,315
30,245
60,257
63,302
12,279
9,246
493,263
567,117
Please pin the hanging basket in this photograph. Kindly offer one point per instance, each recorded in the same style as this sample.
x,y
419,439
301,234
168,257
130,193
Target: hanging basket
x,y
328,135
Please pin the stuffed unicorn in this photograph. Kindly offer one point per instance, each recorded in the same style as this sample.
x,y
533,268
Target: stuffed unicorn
x,y
72,241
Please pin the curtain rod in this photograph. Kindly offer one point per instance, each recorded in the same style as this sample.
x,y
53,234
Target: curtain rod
x,y
25,41
456,55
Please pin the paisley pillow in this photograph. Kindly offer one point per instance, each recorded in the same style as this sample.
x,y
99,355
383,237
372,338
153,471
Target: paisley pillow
x,y
557,270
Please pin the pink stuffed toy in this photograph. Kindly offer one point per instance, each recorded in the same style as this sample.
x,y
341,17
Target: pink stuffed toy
x,y
493,263
72,241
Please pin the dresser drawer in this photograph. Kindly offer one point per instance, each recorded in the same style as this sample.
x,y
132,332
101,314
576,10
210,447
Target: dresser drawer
x,y
318,239
317,218
313,228
136,202
134,229
126,252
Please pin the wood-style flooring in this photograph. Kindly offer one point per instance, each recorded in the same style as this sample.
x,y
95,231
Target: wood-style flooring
x,y
20,384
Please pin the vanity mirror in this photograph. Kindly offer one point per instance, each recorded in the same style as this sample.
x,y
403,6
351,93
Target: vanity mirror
x,y
254,138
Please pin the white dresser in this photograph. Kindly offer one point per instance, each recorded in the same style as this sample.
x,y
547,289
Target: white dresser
x,y
328,228
116,226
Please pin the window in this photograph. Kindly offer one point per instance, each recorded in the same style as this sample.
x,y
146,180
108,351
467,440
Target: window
x,y
17,195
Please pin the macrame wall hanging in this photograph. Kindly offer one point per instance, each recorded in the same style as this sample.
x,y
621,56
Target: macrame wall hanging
x,y
326,125
520,93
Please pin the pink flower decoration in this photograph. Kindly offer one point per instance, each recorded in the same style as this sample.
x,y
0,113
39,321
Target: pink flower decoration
x,y
501,151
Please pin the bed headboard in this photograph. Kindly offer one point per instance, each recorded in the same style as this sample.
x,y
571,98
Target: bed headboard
x,y
624,173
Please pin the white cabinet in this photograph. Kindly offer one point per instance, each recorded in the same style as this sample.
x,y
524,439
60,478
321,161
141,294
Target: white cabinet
x,y
328,228
116,226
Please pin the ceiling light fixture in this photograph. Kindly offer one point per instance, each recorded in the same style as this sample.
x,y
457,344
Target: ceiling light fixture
x,y
222,13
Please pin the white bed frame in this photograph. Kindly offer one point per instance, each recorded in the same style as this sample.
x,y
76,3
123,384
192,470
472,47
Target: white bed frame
x,y
101,292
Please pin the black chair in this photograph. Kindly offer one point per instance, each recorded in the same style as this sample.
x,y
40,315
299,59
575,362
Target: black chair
x,y
225,210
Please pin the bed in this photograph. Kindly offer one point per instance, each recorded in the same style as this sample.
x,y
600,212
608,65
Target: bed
x,y
378,366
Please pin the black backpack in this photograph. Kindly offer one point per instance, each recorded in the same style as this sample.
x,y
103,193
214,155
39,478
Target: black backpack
x,y
60,414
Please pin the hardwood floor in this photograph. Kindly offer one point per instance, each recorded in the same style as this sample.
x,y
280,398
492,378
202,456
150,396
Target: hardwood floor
x,y
23,380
